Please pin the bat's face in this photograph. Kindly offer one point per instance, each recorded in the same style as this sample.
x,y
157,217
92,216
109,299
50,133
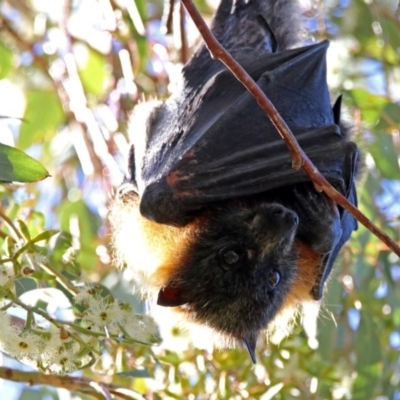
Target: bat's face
x,y
241,265
235,268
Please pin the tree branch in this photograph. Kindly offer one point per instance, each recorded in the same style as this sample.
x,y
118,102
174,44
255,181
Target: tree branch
x,y
168,15
182,32
299,158
96,389
14,231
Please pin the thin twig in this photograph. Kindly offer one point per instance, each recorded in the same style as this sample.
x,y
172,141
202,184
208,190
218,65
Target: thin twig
x,y
75,327
60,325
16,234
168,15
60,278
182,32
299,158
99,387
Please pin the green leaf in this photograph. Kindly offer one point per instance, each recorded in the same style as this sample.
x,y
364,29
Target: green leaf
x,y
24,285
45,235
43,276
369,104
390,117
385,156
63,243
24,230
43,116
170,358
8,246
3,292
142,47
368,343
6,60
366,381
16,166
43,251
70,267
93,72
136,373
396,317
88,226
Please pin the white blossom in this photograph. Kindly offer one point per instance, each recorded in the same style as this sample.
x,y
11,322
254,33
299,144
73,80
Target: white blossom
x,y
6,273
70,255
23,346
5,323
102,314
16,343
142,328
55,342
64,361
85,295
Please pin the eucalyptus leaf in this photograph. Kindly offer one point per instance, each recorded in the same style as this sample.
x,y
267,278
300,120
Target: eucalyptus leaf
x,y
45,235
93,72
385,156
43,115
43,276
24,230
6,60
16,166
24,285
136,373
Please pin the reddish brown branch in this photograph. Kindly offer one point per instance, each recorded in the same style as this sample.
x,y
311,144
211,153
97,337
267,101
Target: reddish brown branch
x,y
300,159
168,15
182,32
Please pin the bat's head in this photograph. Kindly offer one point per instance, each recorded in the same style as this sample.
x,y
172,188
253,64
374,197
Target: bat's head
x,y
238,272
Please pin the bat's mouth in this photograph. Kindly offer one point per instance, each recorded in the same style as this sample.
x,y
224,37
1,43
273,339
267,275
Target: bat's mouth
x,y
171,296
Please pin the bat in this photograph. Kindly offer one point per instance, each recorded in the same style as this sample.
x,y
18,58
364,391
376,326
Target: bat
x,y
211,216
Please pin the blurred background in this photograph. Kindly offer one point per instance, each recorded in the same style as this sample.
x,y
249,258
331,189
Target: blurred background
x,y
74,69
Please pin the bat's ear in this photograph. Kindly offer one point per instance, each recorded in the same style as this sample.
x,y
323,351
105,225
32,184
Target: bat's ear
x,y
336,110
171,296
264,23
127,189
325,269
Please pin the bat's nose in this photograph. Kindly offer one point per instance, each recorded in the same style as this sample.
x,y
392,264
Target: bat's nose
x,y
284,216
293,217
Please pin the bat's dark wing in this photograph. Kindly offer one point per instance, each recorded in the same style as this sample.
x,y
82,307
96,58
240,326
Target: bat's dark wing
x,y
213,142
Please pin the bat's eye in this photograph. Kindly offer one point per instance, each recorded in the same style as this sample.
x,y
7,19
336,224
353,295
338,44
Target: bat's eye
x,y
230,257
274,277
